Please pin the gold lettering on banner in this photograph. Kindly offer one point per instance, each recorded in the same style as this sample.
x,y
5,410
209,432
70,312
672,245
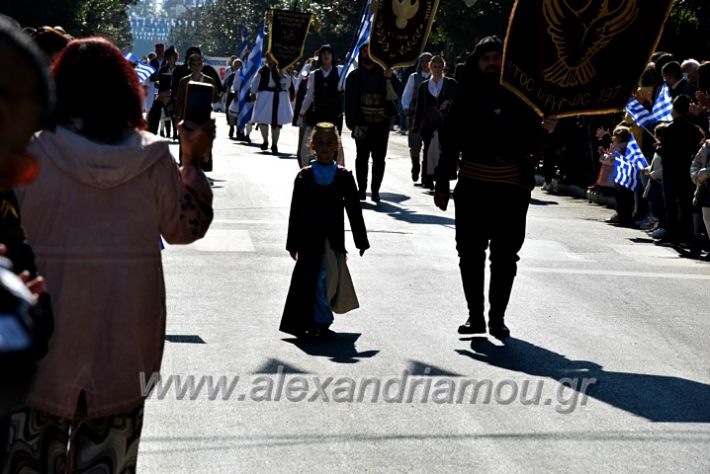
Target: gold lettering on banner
x,y
580,34
404,10
556,103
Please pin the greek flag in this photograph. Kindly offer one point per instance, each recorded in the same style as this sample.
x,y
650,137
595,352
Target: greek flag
x,y
249,70
144,71
627,168
244,43
663,105
661,112
363,35
131,58
639,113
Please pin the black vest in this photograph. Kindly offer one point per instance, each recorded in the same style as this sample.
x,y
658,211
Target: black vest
x,y
327,99
264,75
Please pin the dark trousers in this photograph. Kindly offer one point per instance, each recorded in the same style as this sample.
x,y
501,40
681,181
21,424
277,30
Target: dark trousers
x,y
656,204
154,116
374,144
624,204
678,197
489,216
4,432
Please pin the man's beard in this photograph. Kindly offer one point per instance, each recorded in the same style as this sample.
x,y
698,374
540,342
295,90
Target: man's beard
x,y
492,71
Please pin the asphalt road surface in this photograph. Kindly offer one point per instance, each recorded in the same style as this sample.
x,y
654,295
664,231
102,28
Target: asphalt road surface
x,y
607,369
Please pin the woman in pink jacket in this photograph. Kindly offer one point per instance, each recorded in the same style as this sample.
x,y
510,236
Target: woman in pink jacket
x,y
106,191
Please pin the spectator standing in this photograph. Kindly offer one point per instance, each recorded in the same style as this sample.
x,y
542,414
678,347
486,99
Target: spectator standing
x,y
120,191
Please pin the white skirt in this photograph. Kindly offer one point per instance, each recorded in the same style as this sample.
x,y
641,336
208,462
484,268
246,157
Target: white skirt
x,y
263,108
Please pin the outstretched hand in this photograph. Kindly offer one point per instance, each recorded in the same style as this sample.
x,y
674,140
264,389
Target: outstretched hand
x,y
196,143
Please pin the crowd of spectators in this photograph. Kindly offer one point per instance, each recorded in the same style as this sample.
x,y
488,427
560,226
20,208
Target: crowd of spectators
x,y
672,203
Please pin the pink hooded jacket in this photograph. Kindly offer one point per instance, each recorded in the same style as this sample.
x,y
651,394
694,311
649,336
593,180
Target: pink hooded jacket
x,y
94,217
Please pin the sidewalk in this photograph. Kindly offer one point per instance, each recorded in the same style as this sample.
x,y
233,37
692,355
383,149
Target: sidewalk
x,y
577,191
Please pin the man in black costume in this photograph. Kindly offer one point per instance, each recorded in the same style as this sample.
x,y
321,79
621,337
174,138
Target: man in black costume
x,y
495,134
370,93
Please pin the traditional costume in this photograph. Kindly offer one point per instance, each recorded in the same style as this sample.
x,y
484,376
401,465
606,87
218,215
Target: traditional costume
x,y
321,284
273,103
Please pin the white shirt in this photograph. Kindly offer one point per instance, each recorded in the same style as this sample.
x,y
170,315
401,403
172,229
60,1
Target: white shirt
x,y
435,87
409,89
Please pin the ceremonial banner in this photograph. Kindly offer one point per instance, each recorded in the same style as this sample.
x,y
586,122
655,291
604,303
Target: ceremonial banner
x,y
400,30
574,57
287,36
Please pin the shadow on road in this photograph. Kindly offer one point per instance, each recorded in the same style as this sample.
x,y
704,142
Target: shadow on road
x,y
539,202
658,398
403,214
340,348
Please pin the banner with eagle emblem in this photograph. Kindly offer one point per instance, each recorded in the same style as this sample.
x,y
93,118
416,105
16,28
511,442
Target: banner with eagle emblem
x,y
400,31
580,57
288,31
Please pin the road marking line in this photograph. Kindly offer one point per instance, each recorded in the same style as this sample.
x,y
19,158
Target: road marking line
x,y
549,250
571,271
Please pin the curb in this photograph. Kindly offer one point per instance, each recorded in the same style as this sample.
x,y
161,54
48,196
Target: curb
x,y
578,192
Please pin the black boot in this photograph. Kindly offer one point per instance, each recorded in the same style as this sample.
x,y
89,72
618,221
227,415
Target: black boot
x,y
502,277
416,167
231,131
473,279
473,326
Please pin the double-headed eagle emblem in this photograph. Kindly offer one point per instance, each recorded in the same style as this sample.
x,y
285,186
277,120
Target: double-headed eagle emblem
x,y
580,34
404,10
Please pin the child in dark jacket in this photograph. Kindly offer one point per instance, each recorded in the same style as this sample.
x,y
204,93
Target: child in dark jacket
x,y
316,240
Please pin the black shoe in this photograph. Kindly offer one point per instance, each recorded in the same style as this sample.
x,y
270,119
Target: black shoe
x,y
362,195
478,327
499,330
415,174
275,150
264,146
318,332
231,132
375,196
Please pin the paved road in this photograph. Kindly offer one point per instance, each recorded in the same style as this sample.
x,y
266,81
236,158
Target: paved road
x,y
593,304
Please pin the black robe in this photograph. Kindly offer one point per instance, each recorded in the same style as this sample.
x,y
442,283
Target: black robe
x,y
317,214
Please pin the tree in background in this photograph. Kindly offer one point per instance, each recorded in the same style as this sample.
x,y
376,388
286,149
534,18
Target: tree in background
x,y
458,28
686,33
218,27
80,18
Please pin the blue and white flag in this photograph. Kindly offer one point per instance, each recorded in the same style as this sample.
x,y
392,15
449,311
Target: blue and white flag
x,y
363,35
249,70
131,58
144,71
627,168
243,47
639,114
662,109
663,105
